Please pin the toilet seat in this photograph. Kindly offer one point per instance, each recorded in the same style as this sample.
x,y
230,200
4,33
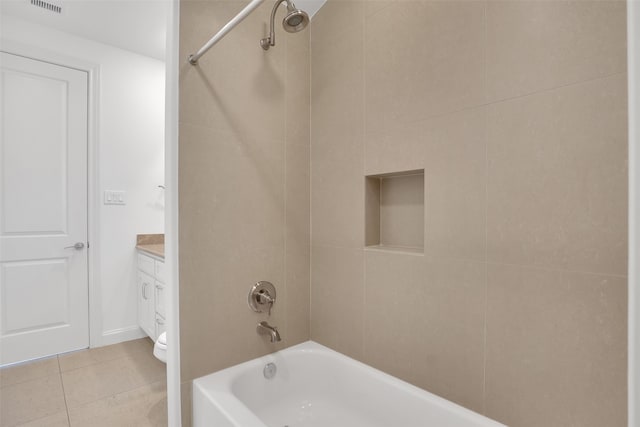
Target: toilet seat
x,y
160,347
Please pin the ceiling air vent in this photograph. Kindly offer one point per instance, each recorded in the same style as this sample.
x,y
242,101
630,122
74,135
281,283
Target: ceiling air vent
x,y
45,5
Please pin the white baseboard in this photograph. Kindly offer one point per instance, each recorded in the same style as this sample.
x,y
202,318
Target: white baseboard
x,y
115,336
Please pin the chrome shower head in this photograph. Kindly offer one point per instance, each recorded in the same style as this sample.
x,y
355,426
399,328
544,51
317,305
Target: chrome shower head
x,y
295,20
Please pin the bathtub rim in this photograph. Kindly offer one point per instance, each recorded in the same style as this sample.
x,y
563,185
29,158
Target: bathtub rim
x,y
216,387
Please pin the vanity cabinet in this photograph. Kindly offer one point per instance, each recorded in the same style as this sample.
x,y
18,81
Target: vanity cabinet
x,y
151,295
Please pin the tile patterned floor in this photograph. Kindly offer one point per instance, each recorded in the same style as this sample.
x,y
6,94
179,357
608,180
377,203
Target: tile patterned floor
x,y
117,385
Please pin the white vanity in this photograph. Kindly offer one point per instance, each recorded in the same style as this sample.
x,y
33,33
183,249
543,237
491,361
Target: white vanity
x,y
151,293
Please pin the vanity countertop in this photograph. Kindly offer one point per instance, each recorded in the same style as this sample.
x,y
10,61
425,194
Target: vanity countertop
x,y
152,244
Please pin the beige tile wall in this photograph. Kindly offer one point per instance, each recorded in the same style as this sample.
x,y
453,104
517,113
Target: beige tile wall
x,y
244,187
516,111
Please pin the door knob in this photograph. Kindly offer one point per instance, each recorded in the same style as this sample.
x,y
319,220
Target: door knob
x,y
77,246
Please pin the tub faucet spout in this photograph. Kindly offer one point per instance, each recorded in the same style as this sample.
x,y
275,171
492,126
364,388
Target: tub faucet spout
x,y
265,328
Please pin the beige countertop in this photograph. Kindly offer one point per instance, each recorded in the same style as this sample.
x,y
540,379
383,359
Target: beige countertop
x,y
152,244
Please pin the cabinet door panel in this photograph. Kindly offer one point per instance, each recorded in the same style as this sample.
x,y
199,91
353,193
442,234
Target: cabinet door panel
x,y
160,297
160,325
146,264
160,273
146,304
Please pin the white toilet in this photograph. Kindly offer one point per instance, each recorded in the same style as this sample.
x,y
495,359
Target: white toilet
x,y
160,347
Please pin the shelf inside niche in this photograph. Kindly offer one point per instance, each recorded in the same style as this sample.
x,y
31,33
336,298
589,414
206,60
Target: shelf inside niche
x,y
394,209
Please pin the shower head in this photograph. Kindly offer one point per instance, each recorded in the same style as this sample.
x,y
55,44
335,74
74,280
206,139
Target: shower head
x,y
295,20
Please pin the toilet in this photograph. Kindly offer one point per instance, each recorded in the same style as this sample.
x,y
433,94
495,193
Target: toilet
x,y
160,348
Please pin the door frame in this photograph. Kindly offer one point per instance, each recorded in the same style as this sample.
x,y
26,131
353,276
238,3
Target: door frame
x,y
173,64
93,187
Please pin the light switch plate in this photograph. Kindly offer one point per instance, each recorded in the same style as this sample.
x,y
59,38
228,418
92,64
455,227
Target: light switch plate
x,y
114,197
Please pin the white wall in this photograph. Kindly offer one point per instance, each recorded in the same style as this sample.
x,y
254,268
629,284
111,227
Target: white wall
x,y
130,156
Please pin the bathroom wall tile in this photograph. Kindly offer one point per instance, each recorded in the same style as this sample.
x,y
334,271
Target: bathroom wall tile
x,y
79,359
297,243
556,348
31,400
297,92
539,180
238,93
145,406
186,389
244,188
334,19
455,185
424,322
28,371
452,151
423,58
336,79
214,292
450,357
298,293
394,284
557,178
94,382
337,297
538,45
233,190
337,180
229,240
297,189
372,7
400,147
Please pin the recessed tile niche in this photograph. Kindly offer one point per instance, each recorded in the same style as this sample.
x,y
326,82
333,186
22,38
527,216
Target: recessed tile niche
x,y
394,209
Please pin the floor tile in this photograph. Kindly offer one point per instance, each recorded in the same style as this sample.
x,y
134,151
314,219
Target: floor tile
x,y
97,381
59,419
31,400
82,358
29,371
144,406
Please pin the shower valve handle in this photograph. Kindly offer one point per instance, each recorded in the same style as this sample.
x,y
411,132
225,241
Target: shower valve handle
x,y
262,296
265,298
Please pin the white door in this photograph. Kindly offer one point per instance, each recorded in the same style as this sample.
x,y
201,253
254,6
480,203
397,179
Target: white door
x,y
43,209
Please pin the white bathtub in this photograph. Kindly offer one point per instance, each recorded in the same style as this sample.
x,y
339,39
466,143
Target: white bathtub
x,y
317,387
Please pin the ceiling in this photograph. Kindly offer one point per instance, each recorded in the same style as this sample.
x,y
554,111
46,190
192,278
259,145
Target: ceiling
x,y
135,25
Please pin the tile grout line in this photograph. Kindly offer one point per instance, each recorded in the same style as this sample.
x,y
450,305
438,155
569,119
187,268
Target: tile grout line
x,y
112,396
363,46
486,214
27,363
127,356
64,393
285,194
488,262
487,104
60,373
109,396
100,362
310,277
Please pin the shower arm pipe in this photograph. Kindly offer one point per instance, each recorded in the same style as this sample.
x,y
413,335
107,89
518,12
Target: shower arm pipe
x,y
193,58
272,32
